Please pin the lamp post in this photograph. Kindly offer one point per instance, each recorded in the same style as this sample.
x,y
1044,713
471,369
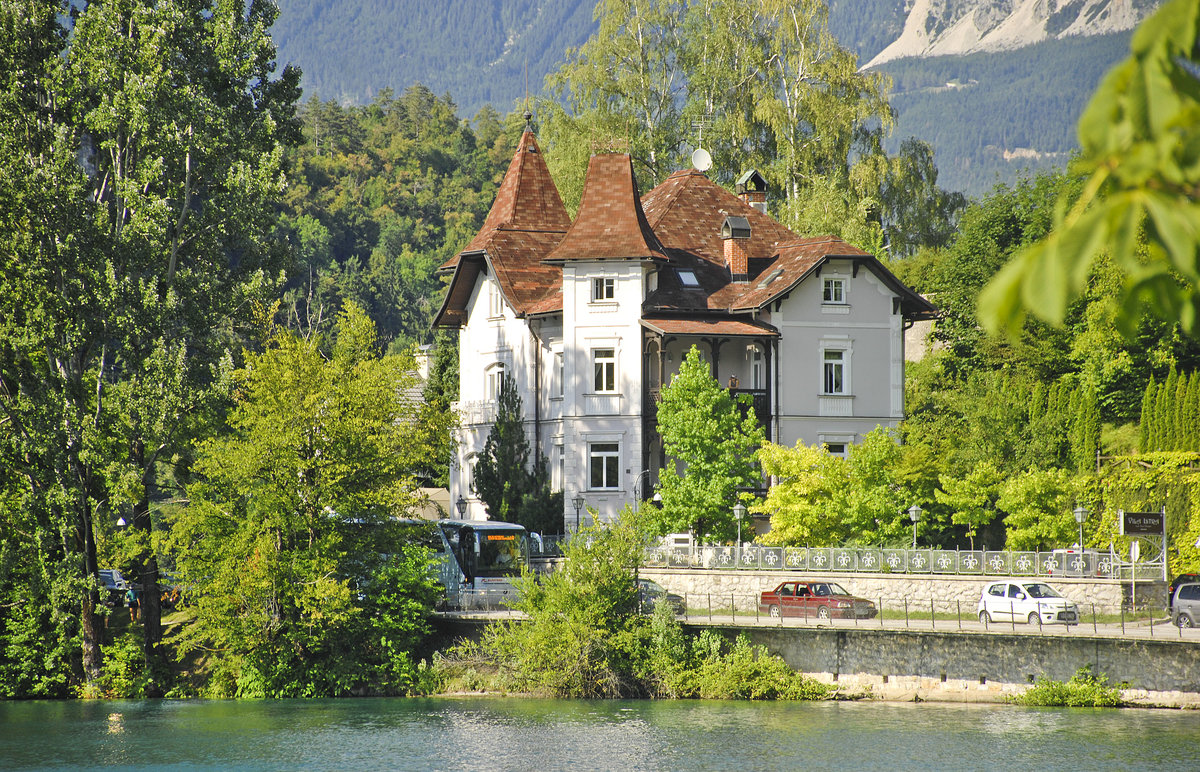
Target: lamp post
x,y
578,502
1081,514
638,493
914,512
739,511
461,506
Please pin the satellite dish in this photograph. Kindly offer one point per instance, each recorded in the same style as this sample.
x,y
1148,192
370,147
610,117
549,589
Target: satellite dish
x,y
701,160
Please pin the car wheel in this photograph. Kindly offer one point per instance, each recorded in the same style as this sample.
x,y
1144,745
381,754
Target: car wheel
x,y
1034,619
823,613
1183,620
773,611
984,618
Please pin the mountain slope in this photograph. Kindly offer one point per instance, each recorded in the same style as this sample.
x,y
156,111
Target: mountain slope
x,y
987,114
942,27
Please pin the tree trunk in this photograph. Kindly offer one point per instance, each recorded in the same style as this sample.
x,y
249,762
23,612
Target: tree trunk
x,y
92,627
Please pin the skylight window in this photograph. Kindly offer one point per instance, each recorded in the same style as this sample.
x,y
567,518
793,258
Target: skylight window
x,y
772,276
688,279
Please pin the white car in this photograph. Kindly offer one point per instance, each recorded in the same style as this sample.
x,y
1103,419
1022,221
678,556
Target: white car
x,y
1025,600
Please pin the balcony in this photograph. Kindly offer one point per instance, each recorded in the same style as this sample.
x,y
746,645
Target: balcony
x,y
475,412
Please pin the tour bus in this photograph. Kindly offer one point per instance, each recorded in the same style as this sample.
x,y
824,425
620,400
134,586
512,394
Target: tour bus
x,y
478,561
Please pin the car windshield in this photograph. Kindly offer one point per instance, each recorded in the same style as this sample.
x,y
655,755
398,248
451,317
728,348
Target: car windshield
x,y
1038,590
828,588
651,587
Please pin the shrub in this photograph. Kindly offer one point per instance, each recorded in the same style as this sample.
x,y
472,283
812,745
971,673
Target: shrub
x,y
1084,690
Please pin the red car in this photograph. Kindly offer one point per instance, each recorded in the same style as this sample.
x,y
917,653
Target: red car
x,y
816,599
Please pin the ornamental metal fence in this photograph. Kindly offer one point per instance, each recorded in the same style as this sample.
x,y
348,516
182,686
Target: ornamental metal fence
x,y
927,561
1148,618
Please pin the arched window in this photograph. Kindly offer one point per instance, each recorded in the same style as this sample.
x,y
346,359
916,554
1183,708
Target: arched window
x,y
494,380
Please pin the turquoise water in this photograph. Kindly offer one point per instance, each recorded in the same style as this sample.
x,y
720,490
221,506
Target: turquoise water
x,y
522,734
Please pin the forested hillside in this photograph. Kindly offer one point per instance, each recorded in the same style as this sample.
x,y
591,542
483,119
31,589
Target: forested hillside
x,y
478,51
992,116
1015,110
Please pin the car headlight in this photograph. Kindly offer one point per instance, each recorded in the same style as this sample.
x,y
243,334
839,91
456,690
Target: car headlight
x,y
843,604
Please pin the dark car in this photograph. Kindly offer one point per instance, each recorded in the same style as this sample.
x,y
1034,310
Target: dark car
x,y
113,585
1185,605
1174,585
816,599
651,593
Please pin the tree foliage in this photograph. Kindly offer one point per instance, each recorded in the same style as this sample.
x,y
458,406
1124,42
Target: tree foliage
x,y
711,441
302,585
819,499
765,85
140,153
1141,201
514,487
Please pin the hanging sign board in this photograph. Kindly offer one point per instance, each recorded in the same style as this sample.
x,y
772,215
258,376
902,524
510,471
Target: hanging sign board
x,y
1143,523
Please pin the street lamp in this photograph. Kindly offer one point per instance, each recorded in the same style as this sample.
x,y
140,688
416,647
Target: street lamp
x,y
578,502
739,511
1081,514
639,493
914,512
461,506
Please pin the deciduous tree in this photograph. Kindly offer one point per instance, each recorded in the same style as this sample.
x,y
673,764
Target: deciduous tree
x,y
711,441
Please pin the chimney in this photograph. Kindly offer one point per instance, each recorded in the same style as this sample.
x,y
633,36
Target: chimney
x,y
735,232
752,190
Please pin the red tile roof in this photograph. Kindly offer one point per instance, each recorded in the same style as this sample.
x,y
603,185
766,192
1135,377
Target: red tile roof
x,y
610,223
526,221
527,236
686,212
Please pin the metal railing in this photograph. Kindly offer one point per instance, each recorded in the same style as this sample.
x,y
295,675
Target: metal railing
x,y
1149,619
882,560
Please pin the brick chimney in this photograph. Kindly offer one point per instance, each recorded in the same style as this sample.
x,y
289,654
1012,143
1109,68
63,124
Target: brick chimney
x,y
752,190
735,233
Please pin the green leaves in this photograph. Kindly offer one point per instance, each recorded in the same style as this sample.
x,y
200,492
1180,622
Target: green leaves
x,y
706,433
1140,138
320,453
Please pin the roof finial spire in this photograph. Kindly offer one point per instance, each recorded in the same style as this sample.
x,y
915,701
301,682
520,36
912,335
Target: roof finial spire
x,y
528,114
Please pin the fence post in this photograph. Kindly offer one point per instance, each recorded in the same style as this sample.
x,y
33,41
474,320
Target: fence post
x,y
958,611
906,612
932,623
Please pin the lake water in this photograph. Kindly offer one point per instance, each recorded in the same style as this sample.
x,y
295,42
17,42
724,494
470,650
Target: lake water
x,y
524,734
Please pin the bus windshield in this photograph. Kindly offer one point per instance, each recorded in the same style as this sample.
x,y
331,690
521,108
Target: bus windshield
x,y
501,553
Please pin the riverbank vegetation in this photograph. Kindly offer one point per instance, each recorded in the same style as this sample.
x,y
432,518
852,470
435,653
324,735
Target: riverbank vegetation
x,y
587,634
1085,690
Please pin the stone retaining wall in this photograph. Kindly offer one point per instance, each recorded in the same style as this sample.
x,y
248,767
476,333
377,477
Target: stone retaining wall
x,y
741,588
979,667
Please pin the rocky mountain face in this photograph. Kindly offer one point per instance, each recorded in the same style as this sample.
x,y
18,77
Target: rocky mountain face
x,y
951,27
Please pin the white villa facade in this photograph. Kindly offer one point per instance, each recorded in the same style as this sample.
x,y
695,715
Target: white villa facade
x,y
592,317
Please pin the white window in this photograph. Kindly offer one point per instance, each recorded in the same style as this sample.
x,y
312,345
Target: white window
x,y
834,291
494,381
836,448
603,463
688,279
495,300
604,289
756,368
560,372
834,374
605,365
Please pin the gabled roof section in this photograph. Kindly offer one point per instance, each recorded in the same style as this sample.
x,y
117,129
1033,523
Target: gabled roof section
x,y
800,259
686,212
610,224
526,201
525,222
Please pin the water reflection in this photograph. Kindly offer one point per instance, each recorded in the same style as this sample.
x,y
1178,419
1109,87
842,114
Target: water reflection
x,y
521,734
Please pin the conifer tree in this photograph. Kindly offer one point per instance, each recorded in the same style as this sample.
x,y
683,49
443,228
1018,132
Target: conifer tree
x,y
1147,417
510,489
